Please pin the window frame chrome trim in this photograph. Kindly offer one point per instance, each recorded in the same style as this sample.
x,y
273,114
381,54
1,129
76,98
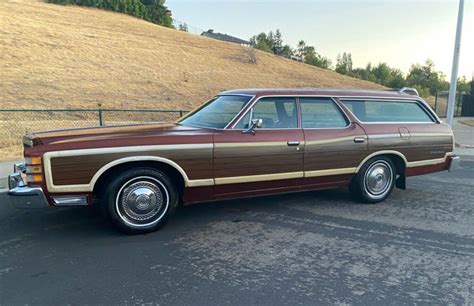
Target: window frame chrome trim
x,y
269,96
424,106
297,97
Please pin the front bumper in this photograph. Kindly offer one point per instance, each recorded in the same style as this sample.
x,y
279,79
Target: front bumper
x,y
455,163
22,196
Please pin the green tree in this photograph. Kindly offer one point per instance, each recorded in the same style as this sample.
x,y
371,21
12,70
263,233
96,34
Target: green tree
x,y
344,63
427,77
277,43
261,42
311,57
151,10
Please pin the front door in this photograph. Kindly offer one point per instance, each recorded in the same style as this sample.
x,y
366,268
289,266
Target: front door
x,y
268,160
334,145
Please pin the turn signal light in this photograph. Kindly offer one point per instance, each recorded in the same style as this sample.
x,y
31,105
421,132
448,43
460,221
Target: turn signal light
x,y
33,160
34,170
34,178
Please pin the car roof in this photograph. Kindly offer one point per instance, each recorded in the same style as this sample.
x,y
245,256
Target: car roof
x,y
333,92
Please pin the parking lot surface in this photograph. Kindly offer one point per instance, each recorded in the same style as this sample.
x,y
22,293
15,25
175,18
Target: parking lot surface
x,y
306,248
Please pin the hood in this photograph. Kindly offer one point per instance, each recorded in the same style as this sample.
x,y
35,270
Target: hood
x,y
117,136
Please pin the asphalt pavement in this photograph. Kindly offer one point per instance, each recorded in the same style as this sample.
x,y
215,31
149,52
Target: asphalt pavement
x,y
308,248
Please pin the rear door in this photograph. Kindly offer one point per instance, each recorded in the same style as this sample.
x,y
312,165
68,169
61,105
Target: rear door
x,y
334,146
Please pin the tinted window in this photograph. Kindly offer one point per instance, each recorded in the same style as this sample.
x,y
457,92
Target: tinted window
x,y
217,113
321,113
388,111
276,113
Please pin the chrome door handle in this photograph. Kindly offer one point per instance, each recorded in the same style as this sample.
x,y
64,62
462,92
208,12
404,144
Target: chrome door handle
x,y
359,139
293,143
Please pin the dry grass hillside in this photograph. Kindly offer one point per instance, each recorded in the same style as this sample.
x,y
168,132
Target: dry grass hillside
x,y
66,56
54,56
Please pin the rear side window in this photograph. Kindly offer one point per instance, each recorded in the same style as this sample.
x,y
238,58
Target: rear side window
x,y
387,111
321,113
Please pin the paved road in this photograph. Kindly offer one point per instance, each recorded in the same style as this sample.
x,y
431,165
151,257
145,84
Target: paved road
x,y
316,247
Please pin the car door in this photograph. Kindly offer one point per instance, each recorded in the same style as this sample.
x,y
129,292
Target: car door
x,y
334,146
268,159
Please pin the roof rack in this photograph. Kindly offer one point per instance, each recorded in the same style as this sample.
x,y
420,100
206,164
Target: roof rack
x,y
409,91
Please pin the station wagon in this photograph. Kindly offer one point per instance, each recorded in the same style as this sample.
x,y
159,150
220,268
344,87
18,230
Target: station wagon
x,y
242,143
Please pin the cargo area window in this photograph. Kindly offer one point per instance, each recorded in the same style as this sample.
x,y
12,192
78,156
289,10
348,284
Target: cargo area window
x,y
388,111
321,113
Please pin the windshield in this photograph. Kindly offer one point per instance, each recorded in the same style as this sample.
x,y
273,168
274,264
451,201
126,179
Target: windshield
x,y
216,113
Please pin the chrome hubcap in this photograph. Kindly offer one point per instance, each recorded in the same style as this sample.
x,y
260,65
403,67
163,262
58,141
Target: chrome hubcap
x,y
142,201
378,178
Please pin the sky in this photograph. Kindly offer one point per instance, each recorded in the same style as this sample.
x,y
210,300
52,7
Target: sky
x,y
400,33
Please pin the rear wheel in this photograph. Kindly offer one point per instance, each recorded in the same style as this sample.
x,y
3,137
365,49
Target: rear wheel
x,y
375,180
140,200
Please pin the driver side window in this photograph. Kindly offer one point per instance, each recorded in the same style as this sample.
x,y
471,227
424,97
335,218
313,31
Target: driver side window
x,y
276,113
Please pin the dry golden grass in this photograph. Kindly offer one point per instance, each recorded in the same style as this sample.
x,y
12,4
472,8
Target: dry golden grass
x,y
67,56
54,56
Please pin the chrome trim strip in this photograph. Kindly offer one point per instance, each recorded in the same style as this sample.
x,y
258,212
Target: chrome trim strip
x,y
429,162
224,145
334,140
70,200
328,172
258,178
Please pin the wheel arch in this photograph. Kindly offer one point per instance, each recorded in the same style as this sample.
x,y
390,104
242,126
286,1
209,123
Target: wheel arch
x,y
397,158
176,173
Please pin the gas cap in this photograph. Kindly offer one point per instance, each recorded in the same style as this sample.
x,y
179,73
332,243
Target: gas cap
x,y
404,133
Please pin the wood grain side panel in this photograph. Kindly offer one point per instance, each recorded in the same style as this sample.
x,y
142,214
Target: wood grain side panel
x,y
258,164
77,170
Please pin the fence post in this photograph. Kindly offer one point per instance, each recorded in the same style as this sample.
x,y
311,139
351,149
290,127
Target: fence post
x,y
436,103
101,121
180,113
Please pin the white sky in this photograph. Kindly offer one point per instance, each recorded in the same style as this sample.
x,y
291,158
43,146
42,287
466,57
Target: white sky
x,y
399,33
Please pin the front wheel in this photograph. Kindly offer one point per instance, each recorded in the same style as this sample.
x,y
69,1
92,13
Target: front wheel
x,y
375,180
140,200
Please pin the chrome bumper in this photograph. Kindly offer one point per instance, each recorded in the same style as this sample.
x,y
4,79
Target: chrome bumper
x,y
22,196
455,163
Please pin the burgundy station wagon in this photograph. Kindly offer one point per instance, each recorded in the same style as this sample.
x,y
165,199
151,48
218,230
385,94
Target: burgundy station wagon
x,y
241,143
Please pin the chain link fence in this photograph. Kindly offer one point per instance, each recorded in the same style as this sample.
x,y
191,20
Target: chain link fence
x,y
14,123
441,103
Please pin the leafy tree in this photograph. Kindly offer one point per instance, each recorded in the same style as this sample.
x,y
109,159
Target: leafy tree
x,y
261,42
183,27
397,80
301,50
463,85
277,43
344,63
426,76
152,10
311,57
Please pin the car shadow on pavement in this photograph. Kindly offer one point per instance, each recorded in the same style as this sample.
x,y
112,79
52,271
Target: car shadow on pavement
x,y
89,221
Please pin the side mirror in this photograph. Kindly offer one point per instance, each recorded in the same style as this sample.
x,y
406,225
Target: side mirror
x,y
255,123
